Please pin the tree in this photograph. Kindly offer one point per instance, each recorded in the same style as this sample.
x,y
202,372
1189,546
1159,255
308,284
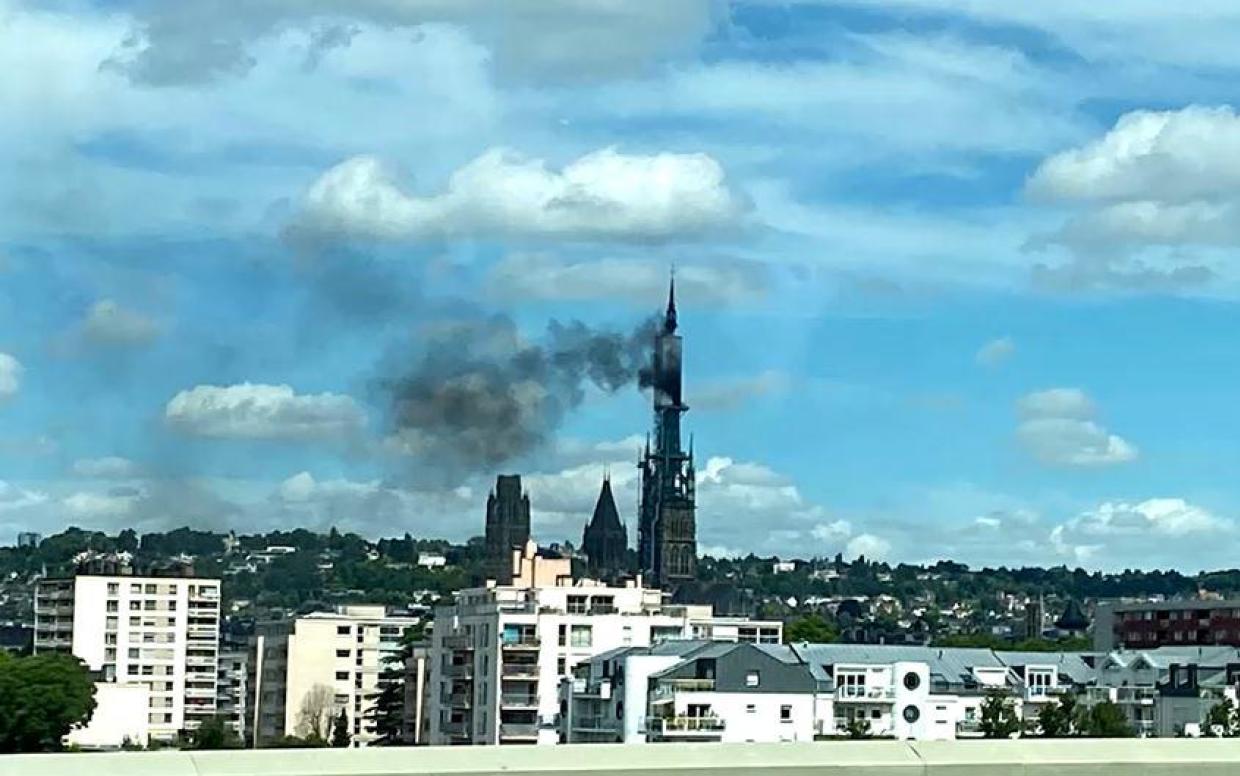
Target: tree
x,y
1223,720
314,713
42,699
999,718
214,733
811,628
1059,719
1106,720
340,731
387,712
857,728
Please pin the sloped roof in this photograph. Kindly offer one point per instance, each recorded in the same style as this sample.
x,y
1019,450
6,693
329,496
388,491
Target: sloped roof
x,y
606,516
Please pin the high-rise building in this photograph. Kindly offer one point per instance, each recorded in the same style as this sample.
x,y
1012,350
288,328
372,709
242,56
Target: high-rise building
x,y
29,539
231,693
305,670
1035,618
499,652
604,541
162,632
507,527
667,523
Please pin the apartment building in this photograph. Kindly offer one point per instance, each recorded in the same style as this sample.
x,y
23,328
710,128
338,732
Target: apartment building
x,y
499,652
1167,692
1152,624
158,631
707,691
233,676
304,670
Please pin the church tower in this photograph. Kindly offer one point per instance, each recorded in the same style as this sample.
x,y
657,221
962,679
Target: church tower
x,y
667,523
507,527
604,541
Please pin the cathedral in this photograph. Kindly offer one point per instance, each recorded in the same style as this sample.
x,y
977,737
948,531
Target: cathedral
x,y
604,542
667,520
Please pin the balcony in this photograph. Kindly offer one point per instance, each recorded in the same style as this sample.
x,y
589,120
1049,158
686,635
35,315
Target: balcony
x,y
460,700
459,671
458,643
1037,693
860,694
524,643
519,700
686,728
520,671
518,731
456,729
668,688
595,723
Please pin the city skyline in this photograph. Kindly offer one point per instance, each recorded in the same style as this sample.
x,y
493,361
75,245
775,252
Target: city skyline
x,y
955,282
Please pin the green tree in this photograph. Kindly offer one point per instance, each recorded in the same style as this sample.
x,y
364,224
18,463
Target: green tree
x,y
42,698
857,728
1223,720
1105,720
340,731
214,733
387,710
999,718
1059,719
811,628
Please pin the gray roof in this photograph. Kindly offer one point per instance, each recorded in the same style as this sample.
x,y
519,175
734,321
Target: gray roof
x,y
951,664
1070,664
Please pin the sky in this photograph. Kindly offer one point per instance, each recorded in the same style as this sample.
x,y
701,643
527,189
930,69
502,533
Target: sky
x,y
956,279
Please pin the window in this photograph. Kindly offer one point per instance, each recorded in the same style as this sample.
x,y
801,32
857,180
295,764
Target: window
x,y
135,606
114,588
112,624
626,637
912,681
752,679
343,630
135,588
342,676
150,606
751,708
134,621
582,636
785,713
172,606
911,714
874,714
151,589
344,653
113,606
561,666
563,635
133,653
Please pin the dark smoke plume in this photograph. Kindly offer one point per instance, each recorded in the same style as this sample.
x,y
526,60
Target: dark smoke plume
x,y
477,396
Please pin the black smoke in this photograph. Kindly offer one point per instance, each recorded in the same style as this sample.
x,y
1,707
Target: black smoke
x,y
475,395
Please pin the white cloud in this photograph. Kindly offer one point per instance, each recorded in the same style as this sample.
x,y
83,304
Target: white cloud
x,y
1058,429
117,502
1056,403
13,498
527,276
871,546
548,38
107,468
10,376
605,194
256,411
1161,516
996,351
832,532
1158,181
107,323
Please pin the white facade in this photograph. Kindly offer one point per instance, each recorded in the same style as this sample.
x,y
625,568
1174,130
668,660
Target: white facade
x,y
161,632
499,654
120,718
316,665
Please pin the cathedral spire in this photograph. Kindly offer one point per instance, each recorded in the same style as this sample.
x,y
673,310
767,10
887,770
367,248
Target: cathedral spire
x,y
669,320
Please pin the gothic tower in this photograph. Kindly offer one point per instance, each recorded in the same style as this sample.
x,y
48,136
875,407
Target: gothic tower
x,y
604,541
508,526
667,524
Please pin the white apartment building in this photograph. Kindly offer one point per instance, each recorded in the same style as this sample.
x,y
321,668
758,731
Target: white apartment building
x,y
306,669
161,632
498,654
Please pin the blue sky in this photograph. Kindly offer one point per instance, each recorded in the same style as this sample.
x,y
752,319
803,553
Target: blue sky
x,y
956,278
